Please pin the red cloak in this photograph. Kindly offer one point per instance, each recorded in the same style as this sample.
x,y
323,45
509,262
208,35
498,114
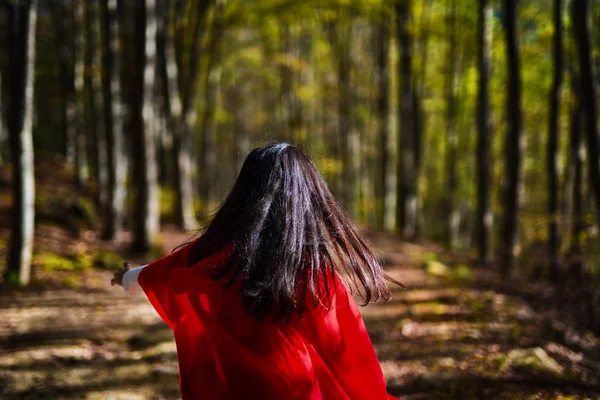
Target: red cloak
x,y
225,354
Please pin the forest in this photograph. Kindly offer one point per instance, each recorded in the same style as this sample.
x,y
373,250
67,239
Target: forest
x,y
461,135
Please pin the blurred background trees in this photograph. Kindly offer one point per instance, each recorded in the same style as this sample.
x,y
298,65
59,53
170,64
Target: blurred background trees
x,y
471,123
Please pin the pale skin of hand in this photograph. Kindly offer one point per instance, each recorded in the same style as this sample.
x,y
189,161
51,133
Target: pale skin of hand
x,y
118,275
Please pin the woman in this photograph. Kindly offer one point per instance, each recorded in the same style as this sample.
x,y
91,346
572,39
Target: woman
x,y
259,303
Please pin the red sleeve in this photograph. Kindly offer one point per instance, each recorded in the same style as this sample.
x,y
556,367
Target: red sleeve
x,y
343,343
154,281
167,281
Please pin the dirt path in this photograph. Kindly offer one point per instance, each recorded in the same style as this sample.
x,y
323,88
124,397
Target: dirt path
x,y
442,338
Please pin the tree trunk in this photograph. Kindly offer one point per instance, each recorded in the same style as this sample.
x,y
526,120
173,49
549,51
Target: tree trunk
x,y
419,92
92,84
177,125
290,104
514,118
387,184
485,218
307,109
4,154
587,85
179,31
113,121
146,210
407,173
452,217
552,150
242,141
185,95
189,102
576,172
99,129
209,138
162,104
21,71
286,77
59,21
76,108
348,136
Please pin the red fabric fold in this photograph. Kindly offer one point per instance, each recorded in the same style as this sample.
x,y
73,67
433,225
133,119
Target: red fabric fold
x,y
225,354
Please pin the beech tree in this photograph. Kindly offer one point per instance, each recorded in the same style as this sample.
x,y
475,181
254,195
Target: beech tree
x,y
407,204
484,218
551,156
512,149
22,20
143,146
113,120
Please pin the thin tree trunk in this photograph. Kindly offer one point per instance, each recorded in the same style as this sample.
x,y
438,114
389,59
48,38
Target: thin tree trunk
x,y
113,121
59,21
184,208
92,89
98,109
242,141
286,76
407,185
21,71
190,99
179,40
209,138
551,155
587,85
484,221
164,129
419,92
348,136
146,211
387,182
4,153
291,107
514,118
576,169
452,217
307,110
77,106
182,160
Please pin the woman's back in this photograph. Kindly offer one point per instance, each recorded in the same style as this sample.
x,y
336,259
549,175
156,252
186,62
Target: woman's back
x,y
226,354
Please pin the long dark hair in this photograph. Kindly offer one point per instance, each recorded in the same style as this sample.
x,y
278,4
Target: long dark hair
x,y
289,236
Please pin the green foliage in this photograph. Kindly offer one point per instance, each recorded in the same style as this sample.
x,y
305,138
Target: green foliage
x,y
329,167
49,262
66,210
105,259
429,308
167,201
86,211
156,251
436,268
475,303
72,281
12,280
101,259
429,257
462,274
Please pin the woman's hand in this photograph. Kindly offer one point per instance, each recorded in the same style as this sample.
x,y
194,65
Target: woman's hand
x,y
118,276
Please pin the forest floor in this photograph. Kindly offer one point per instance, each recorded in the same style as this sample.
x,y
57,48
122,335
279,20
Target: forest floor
x,y
452,334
